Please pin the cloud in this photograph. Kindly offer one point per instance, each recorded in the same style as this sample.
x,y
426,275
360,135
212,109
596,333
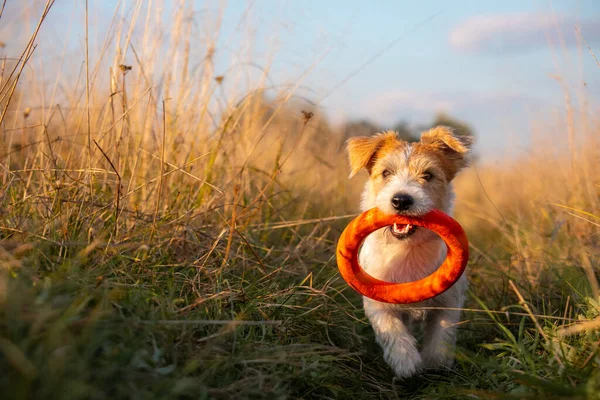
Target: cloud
x,y
421,107
518,33
413,106
497,118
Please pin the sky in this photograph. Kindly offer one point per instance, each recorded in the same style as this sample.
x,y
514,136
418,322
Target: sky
x,y
500,66
493,64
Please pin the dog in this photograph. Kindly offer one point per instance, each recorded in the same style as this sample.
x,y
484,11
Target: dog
x,y
410,179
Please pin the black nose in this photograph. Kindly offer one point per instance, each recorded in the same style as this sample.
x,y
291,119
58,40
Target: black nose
x,y
402,202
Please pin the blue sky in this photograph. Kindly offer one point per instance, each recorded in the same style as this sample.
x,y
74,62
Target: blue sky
x,y
492,64
489,63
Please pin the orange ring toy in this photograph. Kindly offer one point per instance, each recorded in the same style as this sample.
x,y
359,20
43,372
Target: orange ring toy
x,y
402,293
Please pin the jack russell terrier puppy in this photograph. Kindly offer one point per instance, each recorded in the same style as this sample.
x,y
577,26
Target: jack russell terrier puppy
x,y
410,179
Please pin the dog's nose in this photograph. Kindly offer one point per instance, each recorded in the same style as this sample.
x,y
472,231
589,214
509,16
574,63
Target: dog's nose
x,y
402,202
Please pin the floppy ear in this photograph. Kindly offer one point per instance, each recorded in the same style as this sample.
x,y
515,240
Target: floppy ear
x,y
455,148
362,151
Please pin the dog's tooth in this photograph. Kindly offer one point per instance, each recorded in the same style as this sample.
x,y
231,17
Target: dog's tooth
x,y
395,227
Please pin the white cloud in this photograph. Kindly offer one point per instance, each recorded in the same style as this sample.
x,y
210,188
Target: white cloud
x,y
513,33
497,118
391,107
420,107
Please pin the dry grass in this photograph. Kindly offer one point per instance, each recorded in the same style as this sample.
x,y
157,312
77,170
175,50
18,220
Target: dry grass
x,y
152,200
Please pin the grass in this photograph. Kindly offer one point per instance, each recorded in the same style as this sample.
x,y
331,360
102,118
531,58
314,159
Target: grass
x,y
188,252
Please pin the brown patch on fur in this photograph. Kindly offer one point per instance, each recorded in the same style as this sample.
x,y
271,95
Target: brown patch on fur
x,y
450,149
423,159
363,152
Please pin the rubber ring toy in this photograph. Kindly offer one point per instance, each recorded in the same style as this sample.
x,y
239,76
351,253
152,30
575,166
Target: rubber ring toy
x,y
410,292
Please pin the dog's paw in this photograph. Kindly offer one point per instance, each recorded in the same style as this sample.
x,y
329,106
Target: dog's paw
x,y
404,362
407,370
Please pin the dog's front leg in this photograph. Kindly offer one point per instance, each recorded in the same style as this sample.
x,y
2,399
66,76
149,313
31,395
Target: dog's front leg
x,y
399,346
440,329
440,338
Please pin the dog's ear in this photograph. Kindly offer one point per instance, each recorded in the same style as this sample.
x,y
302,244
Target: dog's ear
x,y
456,148
445,138
362,151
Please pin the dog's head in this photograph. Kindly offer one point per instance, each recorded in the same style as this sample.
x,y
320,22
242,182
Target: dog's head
x,y
409,178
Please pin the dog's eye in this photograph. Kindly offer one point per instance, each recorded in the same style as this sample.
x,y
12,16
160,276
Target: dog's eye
x,y
427,176
386,173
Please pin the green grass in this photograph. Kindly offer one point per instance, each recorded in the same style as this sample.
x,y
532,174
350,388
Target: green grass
x,y
131,321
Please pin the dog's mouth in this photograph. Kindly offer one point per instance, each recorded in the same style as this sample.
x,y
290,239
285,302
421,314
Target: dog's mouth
x,y
401,232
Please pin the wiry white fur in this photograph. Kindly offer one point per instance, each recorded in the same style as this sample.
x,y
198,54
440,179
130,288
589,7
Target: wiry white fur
x,y
387,258
400,183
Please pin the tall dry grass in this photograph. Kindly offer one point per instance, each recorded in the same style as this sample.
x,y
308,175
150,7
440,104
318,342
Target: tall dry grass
x,y
544,207
163,134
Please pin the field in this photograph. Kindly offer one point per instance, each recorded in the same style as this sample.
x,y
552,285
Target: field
x,y
161,237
